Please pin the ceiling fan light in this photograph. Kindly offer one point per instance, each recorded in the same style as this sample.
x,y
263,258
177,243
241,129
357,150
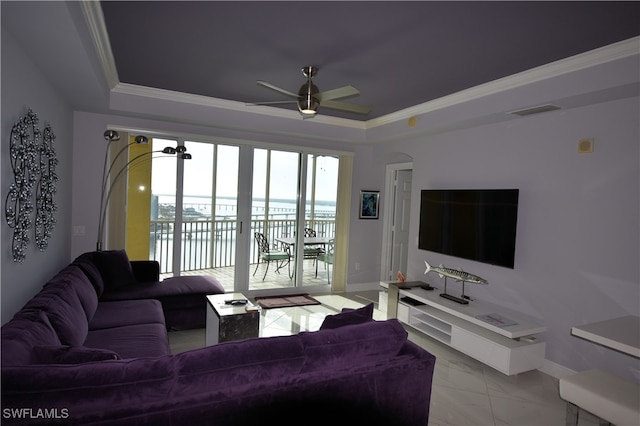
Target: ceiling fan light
x,y
308,106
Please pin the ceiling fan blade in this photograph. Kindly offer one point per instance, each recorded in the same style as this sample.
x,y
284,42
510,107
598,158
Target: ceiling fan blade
x,y
276,88
339,93
270,103
343,106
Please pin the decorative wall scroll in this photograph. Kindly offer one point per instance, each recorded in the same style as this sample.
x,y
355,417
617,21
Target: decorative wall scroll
x,y
33,161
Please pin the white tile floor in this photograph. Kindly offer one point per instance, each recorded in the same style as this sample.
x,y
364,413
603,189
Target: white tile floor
x,y
465,392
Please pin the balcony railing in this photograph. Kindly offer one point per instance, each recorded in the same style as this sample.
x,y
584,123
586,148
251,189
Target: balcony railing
x,y
208,244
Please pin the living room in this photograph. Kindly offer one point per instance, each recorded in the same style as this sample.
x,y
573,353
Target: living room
x,y
577,246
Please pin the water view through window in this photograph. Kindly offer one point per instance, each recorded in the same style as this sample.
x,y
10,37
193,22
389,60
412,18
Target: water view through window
x,y
206,194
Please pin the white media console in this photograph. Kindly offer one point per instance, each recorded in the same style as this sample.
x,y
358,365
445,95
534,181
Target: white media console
x,y
495,336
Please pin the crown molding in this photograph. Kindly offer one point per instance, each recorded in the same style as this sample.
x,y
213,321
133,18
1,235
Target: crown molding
x,y
207,101
575,63
94,18
95,22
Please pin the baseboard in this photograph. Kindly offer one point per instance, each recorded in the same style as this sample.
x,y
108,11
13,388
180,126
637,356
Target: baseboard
x,y
555,370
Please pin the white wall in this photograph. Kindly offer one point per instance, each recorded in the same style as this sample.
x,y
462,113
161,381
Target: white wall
x,y
577,246
23,87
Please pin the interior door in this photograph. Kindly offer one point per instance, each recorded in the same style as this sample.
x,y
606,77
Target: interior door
x,y
401,216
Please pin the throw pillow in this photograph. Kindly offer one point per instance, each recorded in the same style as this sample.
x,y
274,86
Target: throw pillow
x,y
348,317
115,268
72,354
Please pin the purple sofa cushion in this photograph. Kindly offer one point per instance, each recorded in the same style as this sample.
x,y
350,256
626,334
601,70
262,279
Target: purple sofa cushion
x,y
176,286
131,341
72,277
348,317
22,334
195,283
183,298
238,363
89,390
115,267
353,345
64,354
127,312
65,312
87,262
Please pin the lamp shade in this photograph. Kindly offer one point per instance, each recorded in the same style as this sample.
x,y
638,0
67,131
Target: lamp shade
x,y
142,140
111,135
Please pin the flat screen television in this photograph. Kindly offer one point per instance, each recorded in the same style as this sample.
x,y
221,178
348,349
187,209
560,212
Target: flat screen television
x,y
471,224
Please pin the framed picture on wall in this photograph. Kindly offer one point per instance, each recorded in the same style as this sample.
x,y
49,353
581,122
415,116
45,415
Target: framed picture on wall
x,y
369,203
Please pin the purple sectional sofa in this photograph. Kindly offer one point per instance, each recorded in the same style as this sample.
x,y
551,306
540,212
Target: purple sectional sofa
x,y
115,278
69,357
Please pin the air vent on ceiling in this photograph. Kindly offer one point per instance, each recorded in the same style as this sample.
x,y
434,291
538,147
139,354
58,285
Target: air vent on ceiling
x,y
535,110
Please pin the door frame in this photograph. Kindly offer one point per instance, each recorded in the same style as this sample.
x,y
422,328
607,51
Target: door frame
x,y
387,221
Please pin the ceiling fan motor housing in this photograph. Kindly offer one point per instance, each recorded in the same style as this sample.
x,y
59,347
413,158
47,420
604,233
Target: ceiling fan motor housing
x,y
309,98
307,102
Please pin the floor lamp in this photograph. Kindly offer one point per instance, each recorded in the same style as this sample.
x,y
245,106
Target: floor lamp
x,y
107,180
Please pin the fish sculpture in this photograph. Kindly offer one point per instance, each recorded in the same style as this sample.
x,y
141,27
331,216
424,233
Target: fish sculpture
x,y
458,275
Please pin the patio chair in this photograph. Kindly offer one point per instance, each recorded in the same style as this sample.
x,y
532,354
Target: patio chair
x,y
267,254
311,252
327,258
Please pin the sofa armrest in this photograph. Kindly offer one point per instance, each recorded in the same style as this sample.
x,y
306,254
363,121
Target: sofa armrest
x,y
146,270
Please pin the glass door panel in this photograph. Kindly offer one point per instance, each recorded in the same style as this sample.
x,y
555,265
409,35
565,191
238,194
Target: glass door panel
x,y
163,207
226,212
274,219
200,238
320,213
210,210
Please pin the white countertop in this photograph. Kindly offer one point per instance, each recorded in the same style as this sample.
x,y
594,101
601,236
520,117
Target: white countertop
x,y
622,334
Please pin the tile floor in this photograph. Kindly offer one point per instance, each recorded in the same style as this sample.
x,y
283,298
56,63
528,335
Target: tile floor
x,y
465,392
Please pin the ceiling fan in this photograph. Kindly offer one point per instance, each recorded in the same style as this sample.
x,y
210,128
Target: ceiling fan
x,y
309,98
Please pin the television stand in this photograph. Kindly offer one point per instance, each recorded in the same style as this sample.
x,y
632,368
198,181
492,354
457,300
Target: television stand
x,y
506,340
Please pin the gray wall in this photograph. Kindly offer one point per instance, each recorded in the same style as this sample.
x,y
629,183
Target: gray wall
x,y
577,246
25,86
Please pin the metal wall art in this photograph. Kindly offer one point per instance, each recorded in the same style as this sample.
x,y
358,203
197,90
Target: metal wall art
x,y
33,161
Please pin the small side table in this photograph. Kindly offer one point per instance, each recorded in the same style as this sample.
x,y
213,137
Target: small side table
x,y
394,294
230,322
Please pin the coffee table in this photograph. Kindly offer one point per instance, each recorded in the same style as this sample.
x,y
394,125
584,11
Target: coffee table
x,y
226,322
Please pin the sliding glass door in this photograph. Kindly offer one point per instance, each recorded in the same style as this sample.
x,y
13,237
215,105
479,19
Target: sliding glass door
x,y
258,219
293,240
